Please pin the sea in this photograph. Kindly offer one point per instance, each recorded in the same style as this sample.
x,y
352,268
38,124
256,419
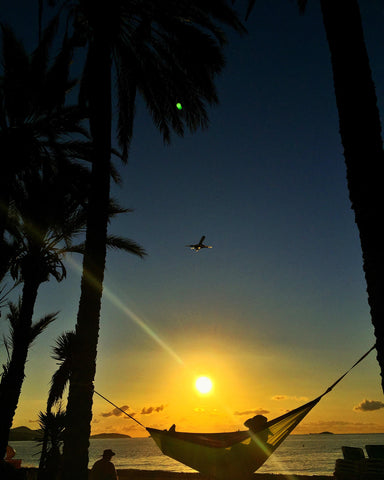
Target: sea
x,y
314,454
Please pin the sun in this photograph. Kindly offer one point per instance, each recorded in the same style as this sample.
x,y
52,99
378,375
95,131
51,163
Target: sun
x,y
203,385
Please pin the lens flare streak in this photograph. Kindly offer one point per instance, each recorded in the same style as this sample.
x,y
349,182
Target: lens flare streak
x,y
107,293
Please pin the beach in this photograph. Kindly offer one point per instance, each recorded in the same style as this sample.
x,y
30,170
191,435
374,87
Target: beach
x,y
135,474
127,474
303,456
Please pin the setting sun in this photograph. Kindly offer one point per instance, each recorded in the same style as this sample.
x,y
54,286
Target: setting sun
x,y
203,384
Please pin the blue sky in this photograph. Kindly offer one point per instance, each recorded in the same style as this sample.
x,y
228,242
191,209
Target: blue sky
x,y
281,295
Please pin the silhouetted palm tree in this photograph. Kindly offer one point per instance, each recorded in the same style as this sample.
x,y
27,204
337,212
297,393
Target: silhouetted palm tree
x,y
42,223
44,220
52,425
45,194
34,123
62,353
18,344
168,52
360,130
34,147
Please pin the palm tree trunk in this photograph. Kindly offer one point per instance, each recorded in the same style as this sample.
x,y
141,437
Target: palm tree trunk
x,y
360,132
5,182
12,380
79,407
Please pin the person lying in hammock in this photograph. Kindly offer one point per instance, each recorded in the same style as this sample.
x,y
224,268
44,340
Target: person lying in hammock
x,y
257,425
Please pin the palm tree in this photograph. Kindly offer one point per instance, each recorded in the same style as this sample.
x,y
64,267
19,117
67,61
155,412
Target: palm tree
x,y
168,52
44,220
42,224
62,353
360,131
34,123
18,344
52,425
48,199
35,150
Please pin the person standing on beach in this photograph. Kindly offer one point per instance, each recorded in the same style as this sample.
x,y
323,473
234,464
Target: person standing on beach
x,y
104,469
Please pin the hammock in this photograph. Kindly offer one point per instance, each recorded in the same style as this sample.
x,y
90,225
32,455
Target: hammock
x,y
231,455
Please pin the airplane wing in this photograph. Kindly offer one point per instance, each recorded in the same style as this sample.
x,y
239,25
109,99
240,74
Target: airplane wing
x,y
202,239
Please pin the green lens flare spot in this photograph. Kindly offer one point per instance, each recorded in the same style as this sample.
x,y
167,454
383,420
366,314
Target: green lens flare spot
x,y
179,106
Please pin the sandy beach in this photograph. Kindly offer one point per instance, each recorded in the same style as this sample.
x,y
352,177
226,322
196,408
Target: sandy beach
x,y
131,474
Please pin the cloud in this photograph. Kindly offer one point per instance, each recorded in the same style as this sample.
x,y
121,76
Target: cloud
x,y
289,397
199,410
257,411
115,412
149,410
369,406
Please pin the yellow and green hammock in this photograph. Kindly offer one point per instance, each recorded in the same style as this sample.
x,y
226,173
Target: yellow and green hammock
x,y
230,454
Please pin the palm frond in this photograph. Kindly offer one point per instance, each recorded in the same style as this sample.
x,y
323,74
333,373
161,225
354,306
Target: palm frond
x,y
251,4
13,319
115,175
76,248
64,346
39,326
115,209
48,420
4,293
59,382
126,90
115,243
62,352
129,246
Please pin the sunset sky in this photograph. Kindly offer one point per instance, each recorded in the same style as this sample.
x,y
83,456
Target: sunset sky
x,y
277,310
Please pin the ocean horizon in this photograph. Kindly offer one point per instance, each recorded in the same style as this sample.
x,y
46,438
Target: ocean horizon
x,y
309,454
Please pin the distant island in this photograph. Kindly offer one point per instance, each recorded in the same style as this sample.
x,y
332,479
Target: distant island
x,y
322,433
20,434
110,435
24,434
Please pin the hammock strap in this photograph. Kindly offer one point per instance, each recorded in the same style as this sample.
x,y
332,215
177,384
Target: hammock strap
x,y
118,408
353,366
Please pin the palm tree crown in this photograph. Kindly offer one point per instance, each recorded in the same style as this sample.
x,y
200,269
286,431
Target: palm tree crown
x,y
34,123
168,52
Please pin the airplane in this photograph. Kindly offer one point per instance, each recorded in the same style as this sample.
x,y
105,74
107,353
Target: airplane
x,y
198,246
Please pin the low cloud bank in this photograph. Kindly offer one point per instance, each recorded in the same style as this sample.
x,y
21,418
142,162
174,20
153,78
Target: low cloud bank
x,y
257,411
369,406
149,410
116,412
